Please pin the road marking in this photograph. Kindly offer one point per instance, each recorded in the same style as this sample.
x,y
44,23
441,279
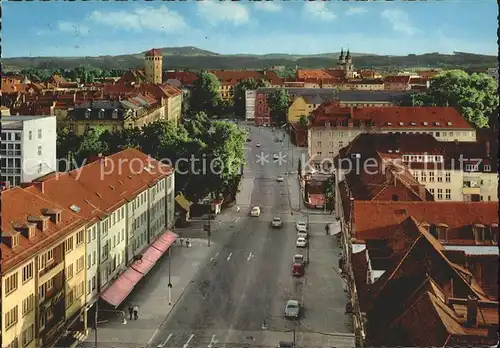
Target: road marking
x,y
229,257
212,342
237,219
165,343
189,340
214,257
152,337
250,256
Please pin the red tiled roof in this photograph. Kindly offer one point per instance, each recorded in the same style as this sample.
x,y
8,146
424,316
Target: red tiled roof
x,y
397,79
185,77
319,74
153,53
233,76
391,117
316,199
376,219
20,203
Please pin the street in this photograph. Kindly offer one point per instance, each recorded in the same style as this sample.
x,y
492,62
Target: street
x,y
248,280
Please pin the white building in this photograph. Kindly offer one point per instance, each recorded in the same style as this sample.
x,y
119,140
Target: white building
x,y
250,104
28,149
493,72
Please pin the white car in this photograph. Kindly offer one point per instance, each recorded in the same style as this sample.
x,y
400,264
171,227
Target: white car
x,y
277,222
301,242
255,212
301,226
280,179
302,234
258,144
292,309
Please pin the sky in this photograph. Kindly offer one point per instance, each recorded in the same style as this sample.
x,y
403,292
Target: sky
x,y
90,28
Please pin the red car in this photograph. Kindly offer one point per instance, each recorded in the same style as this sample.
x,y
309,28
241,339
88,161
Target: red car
x,y
298,269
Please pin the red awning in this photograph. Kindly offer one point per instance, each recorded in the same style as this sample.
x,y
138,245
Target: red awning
x,y
164,241
316,199
121,287
148,260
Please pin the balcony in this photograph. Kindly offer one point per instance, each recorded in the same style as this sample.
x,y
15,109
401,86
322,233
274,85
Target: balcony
x,y
50,271
471,190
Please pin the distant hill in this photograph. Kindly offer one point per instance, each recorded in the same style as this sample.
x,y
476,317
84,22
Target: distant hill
x,y
195,58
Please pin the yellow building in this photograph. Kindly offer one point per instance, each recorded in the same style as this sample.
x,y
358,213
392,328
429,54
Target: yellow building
x,y
308,101
153,62
34,285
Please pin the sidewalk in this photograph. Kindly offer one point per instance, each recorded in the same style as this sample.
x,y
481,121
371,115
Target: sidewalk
x,y
151,295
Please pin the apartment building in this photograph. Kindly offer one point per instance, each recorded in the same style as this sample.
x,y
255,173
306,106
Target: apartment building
x,y
333,127
28,148
250,105
129,208
449,171
308,101
230,78
373,98
42,296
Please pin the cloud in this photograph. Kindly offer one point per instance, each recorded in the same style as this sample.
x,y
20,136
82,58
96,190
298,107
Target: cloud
x,y
318,10
399,20
217,12
267,6
69,27
159,19
355,11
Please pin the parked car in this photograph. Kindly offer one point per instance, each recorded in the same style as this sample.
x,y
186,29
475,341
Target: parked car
x,y
275,156
298,258
301,242
280,179
302,234
285,344
301,226
276,223
298,269
292,309
255,212
258,144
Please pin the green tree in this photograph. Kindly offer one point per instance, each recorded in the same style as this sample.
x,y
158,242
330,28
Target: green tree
x,y
238,94
329,192
475,96
205,94
91,144
304,121
279,103
66,143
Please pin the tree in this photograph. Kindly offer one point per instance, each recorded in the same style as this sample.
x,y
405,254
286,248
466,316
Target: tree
x,y
279,102
475,96
304,121
239,96
67,142
329,192
205,94
91,144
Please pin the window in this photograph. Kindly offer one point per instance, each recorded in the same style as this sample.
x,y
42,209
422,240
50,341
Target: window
x,y
431,191
440,194
88,236
79,290
39,150
69,299
79,238
424,176
93,283
94,232
318,143
11,284
93,257
448,194
448,177
80,263
431,176
27,272
89,261
11,318
27,336
69,272
89,286
30,135
471,167
39,134
68,244
105,251
440,177
487,168
28,304
40,167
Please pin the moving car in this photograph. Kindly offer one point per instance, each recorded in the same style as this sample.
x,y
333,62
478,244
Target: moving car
x,y
280,179
255,212
258,144
292,309
301,226
249,140
301,242
277,223
302,234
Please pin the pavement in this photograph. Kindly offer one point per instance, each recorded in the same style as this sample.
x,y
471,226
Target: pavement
x,y
223,295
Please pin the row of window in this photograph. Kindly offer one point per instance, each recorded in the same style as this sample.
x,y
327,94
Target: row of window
x,y
439,195
422,176
331,144
80,263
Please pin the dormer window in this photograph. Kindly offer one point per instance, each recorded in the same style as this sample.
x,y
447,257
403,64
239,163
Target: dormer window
x,y
494,232
115,114
87,113
426,226
389,123
425,123
442,231
478,231
449,123
413,124
401,123
437,123
101,114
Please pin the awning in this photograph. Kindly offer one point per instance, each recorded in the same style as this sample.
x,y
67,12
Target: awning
x,y
316,199
121,287
183,202
164,241
149,258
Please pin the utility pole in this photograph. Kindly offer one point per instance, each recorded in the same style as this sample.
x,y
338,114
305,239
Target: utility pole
x,y
169,280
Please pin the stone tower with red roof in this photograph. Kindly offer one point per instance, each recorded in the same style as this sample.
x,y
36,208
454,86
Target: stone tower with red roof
x,y
153,62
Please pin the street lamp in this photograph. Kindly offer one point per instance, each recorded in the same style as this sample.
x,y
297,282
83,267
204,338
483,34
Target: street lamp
x,y
169,280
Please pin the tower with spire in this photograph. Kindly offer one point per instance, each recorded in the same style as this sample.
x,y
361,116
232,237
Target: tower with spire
x,y
348,66
341,62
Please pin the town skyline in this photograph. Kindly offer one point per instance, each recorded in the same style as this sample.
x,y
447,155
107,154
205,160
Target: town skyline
x,y
95,29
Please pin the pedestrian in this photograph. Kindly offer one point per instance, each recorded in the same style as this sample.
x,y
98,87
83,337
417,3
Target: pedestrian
x,y
130,311
182,241
188,243
136,312
238,209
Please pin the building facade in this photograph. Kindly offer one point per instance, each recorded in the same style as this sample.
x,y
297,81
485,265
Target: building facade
x,y
28,149
153,63
250,96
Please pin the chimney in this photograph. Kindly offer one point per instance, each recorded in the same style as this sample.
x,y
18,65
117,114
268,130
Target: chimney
x,y
472,304
39,185
487,149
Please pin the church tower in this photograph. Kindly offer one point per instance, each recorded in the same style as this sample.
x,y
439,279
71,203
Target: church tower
x,y
153,62
348,66
341,62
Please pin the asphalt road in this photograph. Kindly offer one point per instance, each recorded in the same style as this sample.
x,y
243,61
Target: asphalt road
x,y
248,280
